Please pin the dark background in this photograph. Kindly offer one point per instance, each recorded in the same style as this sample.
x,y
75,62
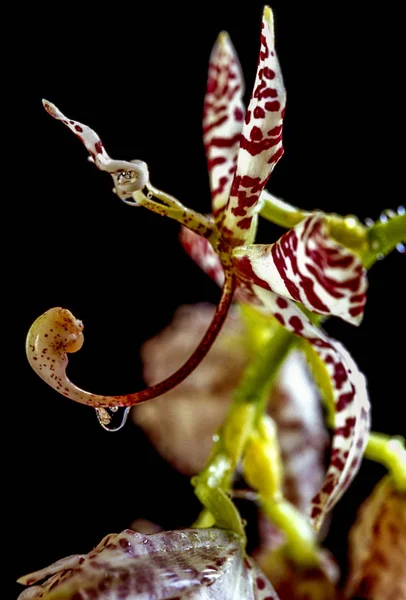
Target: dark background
x,y
137,74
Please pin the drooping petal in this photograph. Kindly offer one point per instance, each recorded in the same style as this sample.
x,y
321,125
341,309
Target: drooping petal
x,y
377,546
131,565
307,265
128,176
201,251
349,395
223,117
261,142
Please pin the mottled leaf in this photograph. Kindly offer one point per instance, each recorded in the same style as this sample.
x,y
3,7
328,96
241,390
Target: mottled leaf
x,y
377,546
223,117
307,265
261,141
128,176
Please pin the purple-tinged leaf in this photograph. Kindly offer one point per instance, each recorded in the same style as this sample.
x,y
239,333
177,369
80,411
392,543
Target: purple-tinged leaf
x,y
128,176
350,397
132,566
223,117
377,546
307,265
261,142
201,251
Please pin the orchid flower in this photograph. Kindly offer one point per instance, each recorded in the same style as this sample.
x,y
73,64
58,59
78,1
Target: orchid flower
x,y
315,265
192,564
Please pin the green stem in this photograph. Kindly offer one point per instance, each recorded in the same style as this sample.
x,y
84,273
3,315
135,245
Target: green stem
x,y
384,237
280,212
249,400
390,452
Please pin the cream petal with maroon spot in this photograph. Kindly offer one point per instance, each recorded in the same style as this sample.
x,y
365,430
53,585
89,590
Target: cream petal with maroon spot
x,y
260,144
307,265
223,117
128,176
352,407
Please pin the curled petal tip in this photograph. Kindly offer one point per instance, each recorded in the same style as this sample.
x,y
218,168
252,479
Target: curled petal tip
x,y
223,38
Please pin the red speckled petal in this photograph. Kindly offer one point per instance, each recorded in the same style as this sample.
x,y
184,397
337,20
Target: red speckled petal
x,y
129,176
202,252
131,565
377,546
223,118
261,142
262,587
307,265
352,408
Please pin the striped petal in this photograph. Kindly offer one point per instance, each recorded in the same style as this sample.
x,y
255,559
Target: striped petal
x,y
128,176
131,565
307,265
349,394
223,117
261,142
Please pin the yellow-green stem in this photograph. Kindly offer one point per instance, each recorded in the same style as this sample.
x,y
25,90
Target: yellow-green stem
x,y
390,452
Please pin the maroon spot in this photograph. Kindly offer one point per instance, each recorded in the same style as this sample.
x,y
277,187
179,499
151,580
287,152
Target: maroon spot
x,y
259,112
296,323
315,512
78,128
260,583
272,106
245,223
356,310
280,318
328,487
247,117
256,133
268,73
99,147
238,114
281,302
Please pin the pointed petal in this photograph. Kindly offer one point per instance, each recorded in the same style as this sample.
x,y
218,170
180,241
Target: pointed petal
x,y
128,176
202,252
131,565
307,265
349,394
261,141
377,546
223,118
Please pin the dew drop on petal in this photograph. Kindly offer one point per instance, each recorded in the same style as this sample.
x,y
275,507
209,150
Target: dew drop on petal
x,y
401,210
383,218
369,222
401,248
112,419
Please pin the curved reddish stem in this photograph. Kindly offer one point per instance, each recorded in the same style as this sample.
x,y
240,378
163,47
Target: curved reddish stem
x,y
57,332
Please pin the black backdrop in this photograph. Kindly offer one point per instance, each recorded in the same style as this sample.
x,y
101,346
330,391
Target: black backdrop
x,y
136,73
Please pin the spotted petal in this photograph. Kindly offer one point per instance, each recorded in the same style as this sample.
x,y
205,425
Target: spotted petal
x,y
223,117
128,176
377,546
307,265
349,395
261,141
130,565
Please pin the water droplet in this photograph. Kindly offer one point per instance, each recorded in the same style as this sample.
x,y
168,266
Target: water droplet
x,y
351,221
389,213
114,418
401,248
380,257
216,438
369,222
383,218
401,210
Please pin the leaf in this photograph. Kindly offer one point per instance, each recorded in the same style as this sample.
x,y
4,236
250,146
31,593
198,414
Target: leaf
x,y
308,266
261,141
223,117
